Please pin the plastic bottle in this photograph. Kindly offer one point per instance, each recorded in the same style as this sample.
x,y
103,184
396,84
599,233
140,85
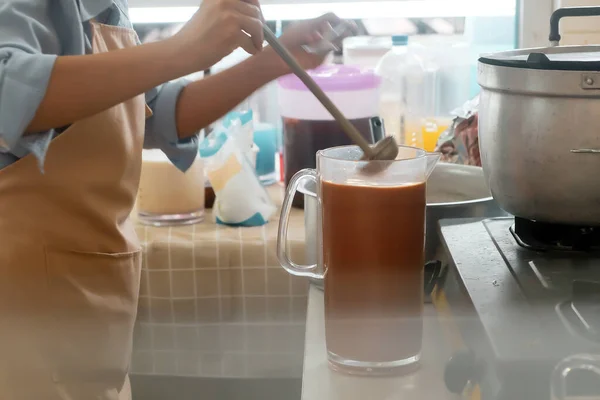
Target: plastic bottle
x,y
391,69
407,94
421,127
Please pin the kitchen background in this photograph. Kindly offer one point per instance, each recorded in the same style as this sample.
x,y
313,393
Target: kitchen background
x,y
247,335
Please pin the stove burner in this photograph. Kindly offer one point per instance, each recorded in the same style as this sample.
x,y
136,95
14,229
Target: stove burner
x,y
522,311
543,236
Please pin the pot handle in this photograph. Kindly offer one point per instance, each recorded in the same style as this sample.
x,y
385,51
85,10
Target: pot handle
x,y
284,222
568,12
586,362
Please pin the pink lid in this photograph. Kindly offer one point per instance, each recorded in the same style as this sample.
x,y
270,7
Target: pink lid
x,y
335,78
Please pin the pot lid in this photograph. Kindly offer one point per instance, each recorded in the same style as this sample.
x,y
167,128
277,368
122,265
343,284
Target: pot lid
x,y
564,58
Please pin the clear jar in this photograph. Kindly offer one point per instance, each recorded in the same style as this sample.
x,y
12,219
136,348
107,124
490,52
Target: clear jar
x,y
168,196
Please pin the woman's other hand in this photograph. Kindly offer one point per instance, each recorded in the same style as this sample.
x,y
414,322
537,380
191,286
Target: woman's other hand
x,y
306,33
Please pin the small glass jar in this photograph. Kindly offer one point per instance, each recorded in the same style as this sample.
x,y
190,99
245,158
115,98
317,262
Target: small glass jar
x,y
168,196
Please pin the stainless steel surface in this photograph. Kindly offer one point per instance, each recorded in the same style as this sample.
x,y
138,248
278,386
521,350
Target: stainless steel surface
x,y
384,150
377,129
581,362
539,142
590,81
518,311
453,191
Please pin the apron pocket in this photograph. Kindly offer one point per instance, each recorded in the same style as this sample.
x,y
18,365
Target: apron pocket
x,y
93,302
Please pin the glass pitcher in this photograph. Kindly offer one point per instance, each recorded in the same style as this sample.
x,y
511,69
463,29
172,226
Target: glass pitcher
x,y
585,362
371,239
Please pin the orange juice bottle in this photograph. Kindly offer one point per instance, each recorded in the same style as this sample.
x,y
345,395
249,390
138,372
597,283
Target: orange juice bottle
x,y
425,133
432,130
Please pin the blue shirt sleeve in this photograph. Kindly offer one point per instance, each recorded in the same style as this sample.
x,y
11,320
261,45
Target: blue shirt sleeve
x,y
161,128
28,43
32,34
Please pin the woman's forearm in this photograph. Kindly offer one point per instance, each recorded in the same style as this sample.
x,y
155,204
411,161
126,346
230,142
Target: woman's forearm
x,y
81,86
206,100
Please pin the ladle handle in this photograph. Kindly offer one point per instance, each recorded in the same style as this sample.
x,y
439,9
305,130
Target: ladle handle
x,y
289,59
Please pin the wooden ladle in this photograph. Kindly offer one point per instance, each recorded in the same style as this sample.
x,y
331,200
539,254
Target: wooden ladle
x,y
385,149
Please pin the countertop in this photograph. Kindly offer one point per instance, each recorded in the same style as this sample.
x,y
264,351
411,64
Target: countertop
x,y
321,383
215,303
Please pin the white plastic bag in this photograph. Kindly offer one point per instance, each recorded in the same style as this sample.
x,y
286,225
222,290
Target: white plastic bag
x,y
241,199
239,125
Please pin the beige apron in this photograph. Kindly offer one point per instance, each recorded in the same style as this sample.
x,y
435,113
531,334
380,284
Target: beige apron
x,y
69,256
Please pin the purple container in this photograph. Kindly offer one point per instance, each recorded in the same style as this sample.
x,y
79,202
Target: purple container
x,y
307,125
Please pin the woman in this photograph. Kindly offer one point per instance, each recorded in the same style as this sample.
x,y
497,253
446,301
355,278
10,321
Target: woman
x,y
73,122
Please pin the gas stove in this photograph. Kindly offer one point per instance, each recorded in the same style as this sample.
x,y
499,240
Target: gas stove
x,y
517,298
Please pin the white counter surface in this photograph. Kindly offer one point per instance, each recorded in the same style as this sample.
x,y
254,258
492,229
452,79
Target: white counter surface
x,y
321,383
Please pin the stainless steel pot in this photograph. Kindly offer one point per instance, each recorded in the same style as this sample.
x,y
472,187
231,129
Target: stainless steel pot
x,y
539,124
453,191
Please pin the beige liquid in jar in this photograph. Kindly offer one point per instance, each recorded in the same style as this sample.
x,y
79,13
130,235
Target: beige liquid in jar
x,y
165,190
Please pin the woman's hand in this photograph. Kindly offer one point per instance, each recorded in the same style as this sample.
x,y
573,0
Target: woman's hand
x,y
218,28
304,33
249,75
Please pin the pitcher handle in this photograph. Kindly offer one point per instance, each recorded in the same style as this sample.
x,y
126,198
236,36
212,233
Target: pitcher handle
x,y
586,362
284,221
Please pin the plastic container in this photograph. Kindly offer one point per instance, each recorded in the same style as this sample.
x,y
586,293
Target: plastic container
x,y
168,196
265,105
307,125
366,51
454,57
267,131
265,137
422,126
391,69
408,93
